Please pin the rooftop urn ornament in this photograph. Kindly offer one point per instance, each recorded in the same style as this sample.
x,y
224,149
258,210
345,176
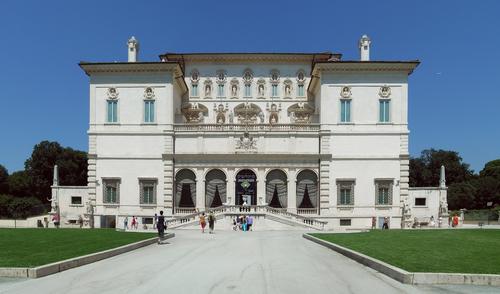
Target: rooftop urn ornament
x,y
133,49
364,48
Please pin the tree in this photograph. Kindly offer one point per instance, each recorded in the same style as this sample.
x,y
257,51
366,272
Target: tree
x,y
491,169
40,166
19,184
4,176
461,195
425,170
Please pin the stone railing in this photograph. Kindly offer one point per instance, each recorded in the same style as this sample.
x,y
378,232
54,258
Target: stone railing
x,y
307,211
251,209
243,127
184,210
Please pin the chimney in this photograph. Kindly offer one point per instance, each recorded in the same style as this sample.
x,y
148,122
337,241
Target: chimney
x,y
364,48
133,49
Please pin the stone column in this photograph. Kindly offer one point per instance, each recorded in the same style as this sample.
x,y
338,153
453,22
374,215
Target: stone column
x,y
292,191
200,189
261,186
231,188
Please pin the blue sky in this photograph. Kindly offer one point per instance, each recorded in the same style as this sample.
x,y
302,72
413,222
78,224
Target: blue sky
x,y
454,93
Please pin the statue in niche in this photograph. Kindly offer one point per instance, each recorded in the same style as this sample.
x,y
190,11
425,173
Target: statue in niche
x,y
261,90
234,90
231,117
208,90
200,117
221,118
288,90
273,118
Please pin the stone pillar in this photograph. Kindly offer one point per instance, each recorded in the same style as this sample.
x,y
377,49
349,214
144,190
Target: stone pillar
x,y
261,186
231,187
200,189
292,191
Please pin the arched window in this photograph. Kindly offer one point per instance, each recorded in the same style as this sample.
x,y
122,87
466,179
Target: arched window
x,y
247,80
215,188
301,79
276,189
195,78
185,189
275,77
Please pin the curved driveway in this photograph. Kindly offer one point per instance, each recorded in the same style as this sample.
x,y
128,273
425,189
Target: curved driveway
x,y
226,262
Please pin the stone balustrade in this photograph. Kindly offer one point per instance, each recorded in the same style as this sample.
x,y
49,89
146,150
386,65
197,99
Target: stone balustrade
x,y
244,127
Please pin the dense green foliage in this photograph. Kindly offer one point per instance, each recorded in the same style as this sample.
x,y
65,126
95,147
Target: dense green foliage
x,y
20,207
465,189
27,192
34,247
444,251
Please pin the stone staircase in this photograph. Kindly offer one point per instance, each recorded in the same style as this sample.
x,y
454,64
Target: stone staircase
x,y
228,212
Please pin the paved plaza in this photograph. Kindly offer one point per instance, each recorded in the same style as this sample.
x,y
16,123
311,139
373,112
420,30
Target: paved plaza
x,y
226,262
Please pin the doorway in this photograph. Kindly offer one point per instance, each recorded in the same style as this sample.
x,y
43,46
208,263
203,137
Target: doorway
x,y
246,187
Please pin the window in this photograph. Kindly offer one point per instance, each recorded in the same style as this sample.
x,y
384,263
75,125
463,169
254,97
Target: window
x,y
274,90
300,90
345,192
384,111
76,200
383,191
147,220
149,111
345,222
111,191
194,90
345,110
220,90
112,111
420,201
147,191
248,90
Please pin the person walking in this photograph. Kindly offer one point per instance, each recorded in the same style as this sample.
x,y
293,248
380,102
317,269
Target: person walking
x,y
385,226
203,222
244,223
125,223
455,221
161,225
211,222
134,223
80,221
155,223
249,223
55,219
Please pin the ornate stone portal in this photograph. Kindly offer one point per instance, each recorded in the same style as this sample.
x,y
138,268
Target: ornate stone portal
x,y
221,113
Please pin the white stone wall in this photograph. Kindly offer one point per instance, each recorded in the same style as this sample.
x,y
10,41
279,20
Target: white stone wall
x,y
431,208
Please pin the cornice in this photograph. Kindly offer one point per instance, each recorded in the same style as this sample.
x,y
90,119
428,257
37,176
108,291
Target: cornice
x,y
245,57
115,67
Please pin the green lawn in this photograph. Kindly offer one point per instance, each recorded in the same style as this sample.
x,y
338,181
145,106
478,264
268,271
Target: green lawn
x,y
34,247
447,251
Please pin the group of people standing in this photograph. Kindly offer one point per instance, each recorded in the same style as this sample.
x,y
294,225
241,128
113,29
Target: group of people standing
x,y
211,222
243,223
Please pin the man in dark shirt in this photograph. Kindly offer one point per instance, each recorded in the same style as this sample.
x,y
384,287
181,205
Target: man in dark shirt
x,y
161,225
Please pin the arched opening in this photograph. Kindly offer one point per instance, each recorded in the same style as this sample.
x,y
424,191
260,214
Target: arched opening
x,y
215,188
185,189
276,189
307,190
246,187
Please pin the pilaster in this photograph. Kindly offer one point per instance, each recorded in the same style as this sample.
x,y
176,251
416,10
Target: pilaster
x,y
200,189
261,186
292,191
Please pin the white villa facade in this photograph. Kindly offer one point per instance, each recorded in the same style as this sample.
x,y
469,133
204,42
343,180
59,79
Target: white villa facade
x,y
294,138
